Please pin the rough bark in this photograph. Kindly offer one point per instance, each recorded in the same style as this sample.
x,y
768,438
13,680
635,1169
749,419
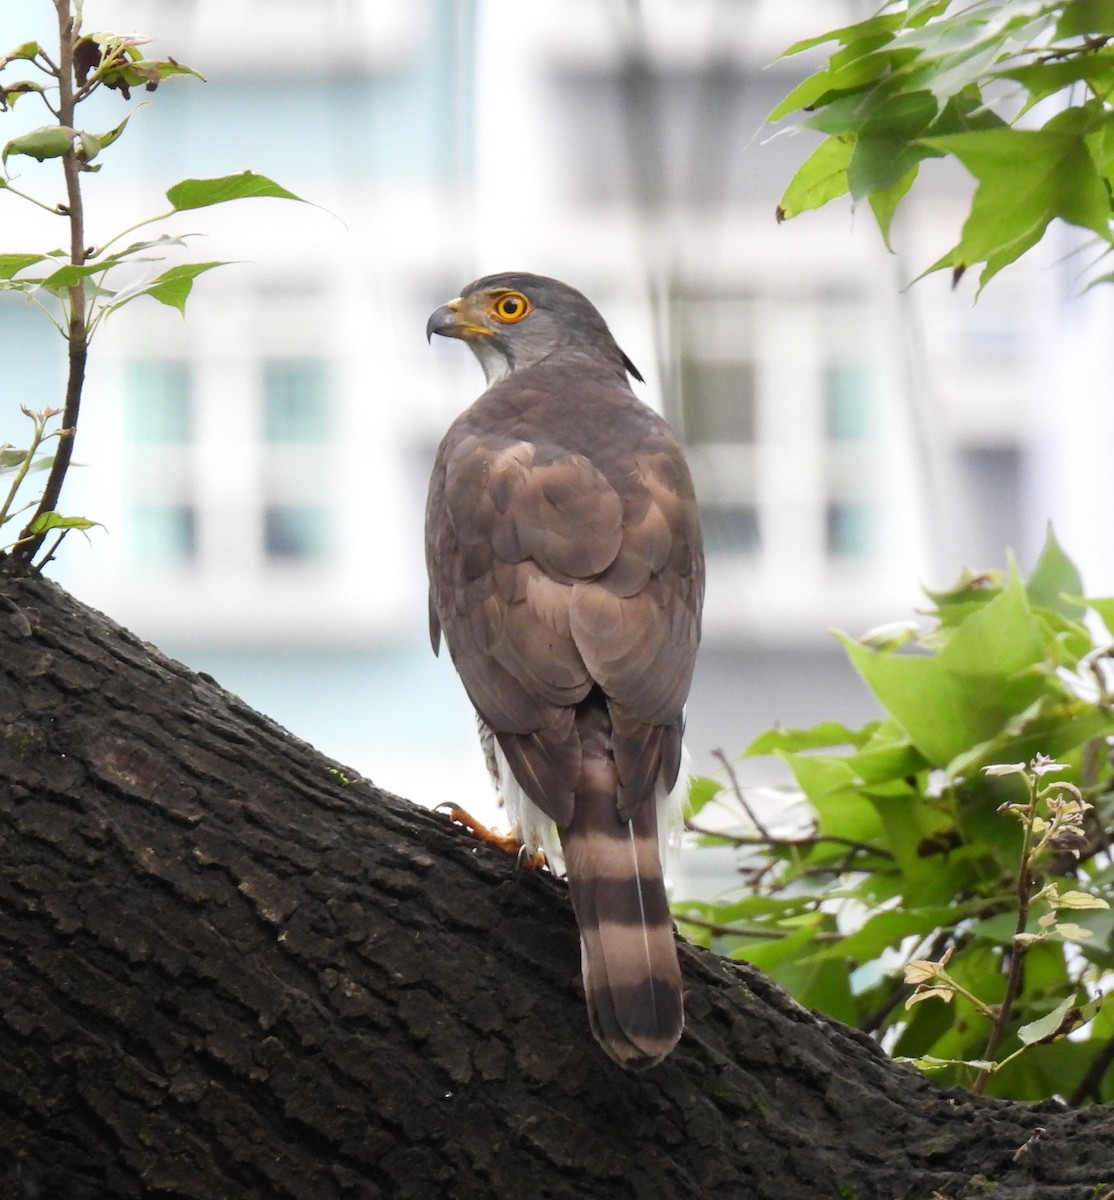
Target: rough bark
x,y
228,970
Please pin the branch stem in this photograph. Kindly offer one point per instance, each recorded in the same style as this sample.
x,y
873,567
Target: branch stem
x,y
50,208
77,334
1018,948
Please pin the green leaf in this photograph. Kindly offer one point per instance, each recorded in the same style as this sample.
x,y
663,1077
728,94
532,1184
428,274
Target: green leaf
x,y
885,26
1055,579
822,177
128,72
880,162
964,695
884,203
48,141
800,935
1025,179
918,693
93,144
1044,78
884,167
13,91
26,51
12,264
702,791
173,286
748,909
889,928
969,592
1053,726
818,983
1050,1026
910,825
1071,932
962,50
833,789
885,112
201,193
162,241
1081,17
929,1062
68,276
88,147
1100,145
1104,606
828,733
53,520
883,760
1074,899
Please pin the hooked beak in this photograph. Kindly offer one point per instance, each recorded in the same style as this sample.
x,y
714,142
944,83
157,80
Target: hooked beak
x,y
452,320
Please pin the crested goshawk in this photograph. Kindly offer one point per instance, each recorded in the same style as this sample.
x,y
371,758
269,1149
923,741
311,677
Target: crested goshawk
x,y
566,575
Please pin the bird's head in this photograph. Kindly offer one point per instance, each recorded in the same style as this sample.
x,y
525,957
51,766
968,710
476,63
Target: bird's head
x,y
516,320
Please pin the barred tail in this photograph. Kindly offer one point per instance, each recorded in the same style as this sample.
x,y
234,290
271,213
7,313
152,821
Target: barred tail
x,y
632,981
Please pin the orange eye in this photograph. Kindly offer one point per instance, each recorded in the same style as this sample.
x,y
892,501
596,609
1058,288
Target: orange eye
x,y
510,307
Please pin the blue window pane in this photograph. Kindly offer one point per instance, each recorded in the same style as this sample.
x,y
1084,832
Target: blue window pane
x,y
850,530
163,535
848,401
730,528
159,402
295,532
295,404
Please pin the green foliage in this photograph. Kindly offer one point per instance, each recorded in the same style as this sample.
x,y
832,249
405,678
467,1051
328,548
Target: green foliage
x,y
912,852
934,78
77,289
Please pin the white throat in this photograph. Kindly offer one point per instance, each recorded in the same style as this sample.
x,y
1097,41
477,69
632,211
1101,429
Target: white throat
x,y
494,364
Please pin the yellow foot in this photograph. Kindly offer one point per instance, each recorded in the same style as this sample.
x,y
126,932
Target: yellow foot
x,y
506,842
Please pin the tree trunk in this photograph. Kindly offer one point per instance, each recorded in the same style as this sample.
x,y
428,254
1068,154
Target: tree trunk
x,y
228,969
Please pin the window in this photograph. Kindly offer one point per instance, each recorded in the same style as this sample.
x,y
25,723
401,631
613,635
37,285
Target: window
x,y
850,530
779,399
296,426
848,401
720,414
160,421
295,403
159,403
720,403
163,535
730,528
295,532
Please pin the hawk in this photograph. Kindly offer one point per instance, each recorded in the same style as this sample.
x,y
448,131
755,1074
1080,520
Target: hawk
x,y
566,574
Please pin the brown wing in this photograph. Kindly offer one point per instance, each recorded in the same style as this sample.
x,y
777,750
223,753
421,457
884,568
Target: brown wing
x,y
564,554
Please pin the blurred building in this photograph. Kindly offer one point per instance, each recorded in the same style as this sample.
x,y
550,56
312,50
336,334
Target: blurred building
x,y
261,466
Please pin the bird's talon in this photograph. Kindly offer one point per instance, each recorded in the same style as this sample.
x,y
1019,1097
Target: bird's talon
x,y
490,837
528,860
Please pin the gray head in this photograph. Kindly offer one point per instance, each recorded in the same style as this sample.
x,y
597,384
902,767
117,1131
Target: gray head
x,y
515,320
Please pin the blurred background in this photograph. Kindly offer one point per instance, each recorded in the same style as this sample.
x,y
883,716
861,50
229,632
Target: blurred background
x,y
260,467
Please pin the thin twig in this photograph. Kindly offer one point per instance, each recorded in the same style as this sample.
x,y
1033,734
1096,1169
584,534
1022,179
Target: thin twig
x,y
1018,947
718,927
49,556
764,935
733,779
803,843
50,208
